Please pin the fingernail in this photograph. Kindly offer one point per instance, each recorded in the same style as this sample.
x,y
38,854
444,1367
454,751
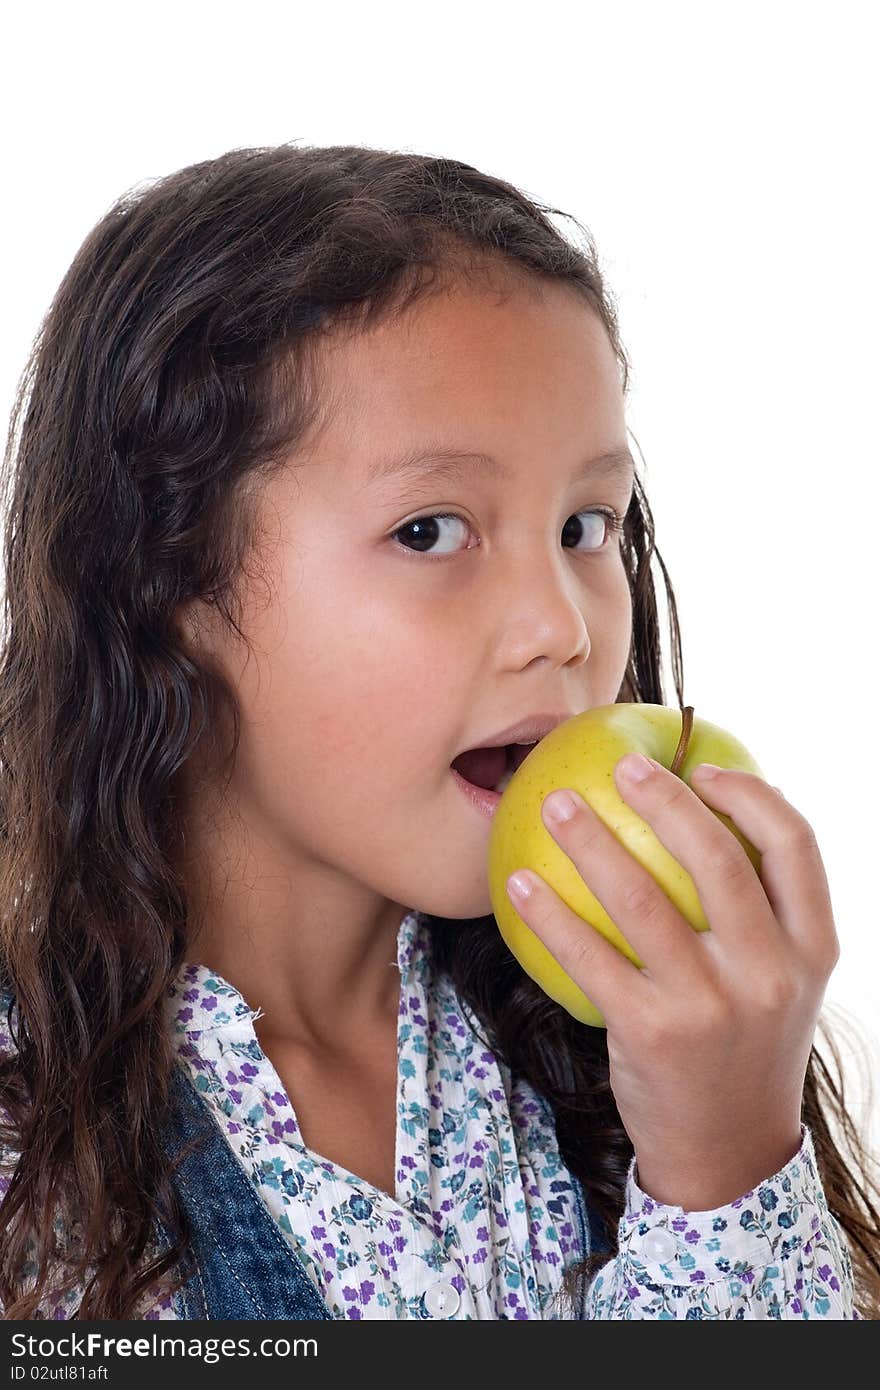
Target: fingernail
x,y
706,770
636,767
519,885
560,806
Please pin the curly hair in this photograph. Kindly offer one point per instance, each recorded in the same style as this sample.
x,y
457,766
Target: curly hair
x,y
175,371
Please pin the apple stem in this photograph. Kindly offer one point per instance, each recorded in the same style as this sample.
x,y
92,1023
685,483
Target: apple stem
x,y
687,723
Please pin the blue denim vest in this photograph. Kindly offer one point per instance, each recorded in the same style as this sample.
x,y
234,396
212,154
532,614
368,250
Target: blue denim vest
x,y
245,1267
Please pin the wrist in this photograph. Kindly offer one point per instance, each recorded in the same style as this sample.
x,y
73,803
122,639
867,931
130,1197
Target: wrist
x,y
714,1179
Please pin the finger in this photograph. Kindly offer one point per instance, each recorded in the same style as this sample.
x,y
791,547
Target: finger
x,y
792,871
615,874
730,891
607,977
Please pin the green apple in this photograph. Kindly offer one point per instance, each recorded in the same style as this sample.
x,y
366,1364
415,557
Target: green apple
x,y
582,753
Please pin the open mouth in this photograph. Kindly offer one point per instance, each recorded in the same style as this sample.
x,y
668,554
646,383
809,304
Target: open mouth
x,y
492,768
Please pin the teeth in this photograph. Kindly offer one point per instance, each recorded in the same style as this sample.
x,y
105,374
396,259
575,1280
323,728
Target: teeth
x,y
505,780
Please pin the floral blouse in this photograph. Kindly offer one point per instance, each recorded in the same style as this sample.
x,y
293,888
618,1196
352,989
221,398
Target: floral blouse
x,y
482,1221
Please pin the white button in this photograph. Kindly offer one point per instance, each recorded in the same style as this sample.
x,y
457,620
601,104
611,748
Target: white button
x,y
659,1245
442,1300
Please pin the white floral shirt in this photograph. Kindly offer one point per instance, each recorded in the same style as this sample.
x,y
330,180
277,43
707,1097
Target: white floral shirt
x,y
482,1222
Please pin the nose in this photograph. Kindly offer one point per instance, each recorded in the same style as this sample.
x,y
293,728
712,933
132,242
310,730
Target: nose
x,y
543,602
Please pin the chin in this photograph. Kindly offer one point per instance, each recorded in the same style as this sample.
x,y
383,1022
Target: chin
x,y
458,908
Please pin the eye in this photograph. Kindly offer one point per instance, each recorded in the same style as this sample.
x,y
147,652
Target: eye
x,y
424,530
613,526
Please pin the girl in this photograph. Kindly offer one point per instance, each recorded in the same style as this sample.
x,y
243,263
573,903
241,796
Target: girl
x,y
322,480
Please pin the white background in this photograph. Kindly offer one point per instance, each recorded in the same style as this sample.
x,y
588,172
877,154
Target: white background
x,y
724,158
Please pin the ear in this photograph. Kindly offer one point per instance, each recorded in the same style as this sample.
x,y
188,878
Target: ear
x,y
188,621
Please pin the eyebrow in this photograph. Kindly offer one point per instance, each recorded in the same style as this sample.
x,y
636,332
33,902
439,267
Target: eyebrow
x,y
451,465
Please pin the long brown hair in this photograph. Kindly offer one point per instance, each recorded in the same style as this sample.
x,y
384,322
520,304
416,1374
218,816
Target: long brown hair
x,y
176,369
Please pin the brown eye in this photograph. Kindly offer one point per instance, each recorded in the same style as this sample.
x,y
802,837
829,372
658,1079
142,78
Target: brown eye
x,y
613,524
420,535
424,531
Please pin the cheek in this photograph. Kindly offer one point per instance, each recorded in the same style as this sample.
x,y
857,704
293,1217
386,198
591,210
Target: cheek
x,y
609,619
355,681
620,640
624,617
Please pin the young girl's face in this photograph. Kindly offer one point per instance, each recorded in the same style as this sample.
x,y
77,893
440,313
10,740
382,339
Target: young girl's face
x,y
387,649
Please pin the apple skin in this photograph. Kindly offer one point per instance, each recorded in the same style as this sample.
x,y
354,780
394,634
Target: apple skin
x,y
582,754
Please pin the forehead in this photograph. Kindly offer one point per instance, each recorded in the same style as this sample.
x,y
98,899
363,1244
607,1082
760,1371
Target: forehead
x,y
484,324
475,371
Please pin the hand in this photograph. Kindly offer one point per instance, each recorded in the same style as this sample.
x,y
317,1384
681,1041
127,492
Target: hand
x,y
708,1045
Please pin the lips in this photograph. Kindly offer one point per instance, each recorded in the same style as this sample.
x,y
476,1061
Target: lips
x,y
485,767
